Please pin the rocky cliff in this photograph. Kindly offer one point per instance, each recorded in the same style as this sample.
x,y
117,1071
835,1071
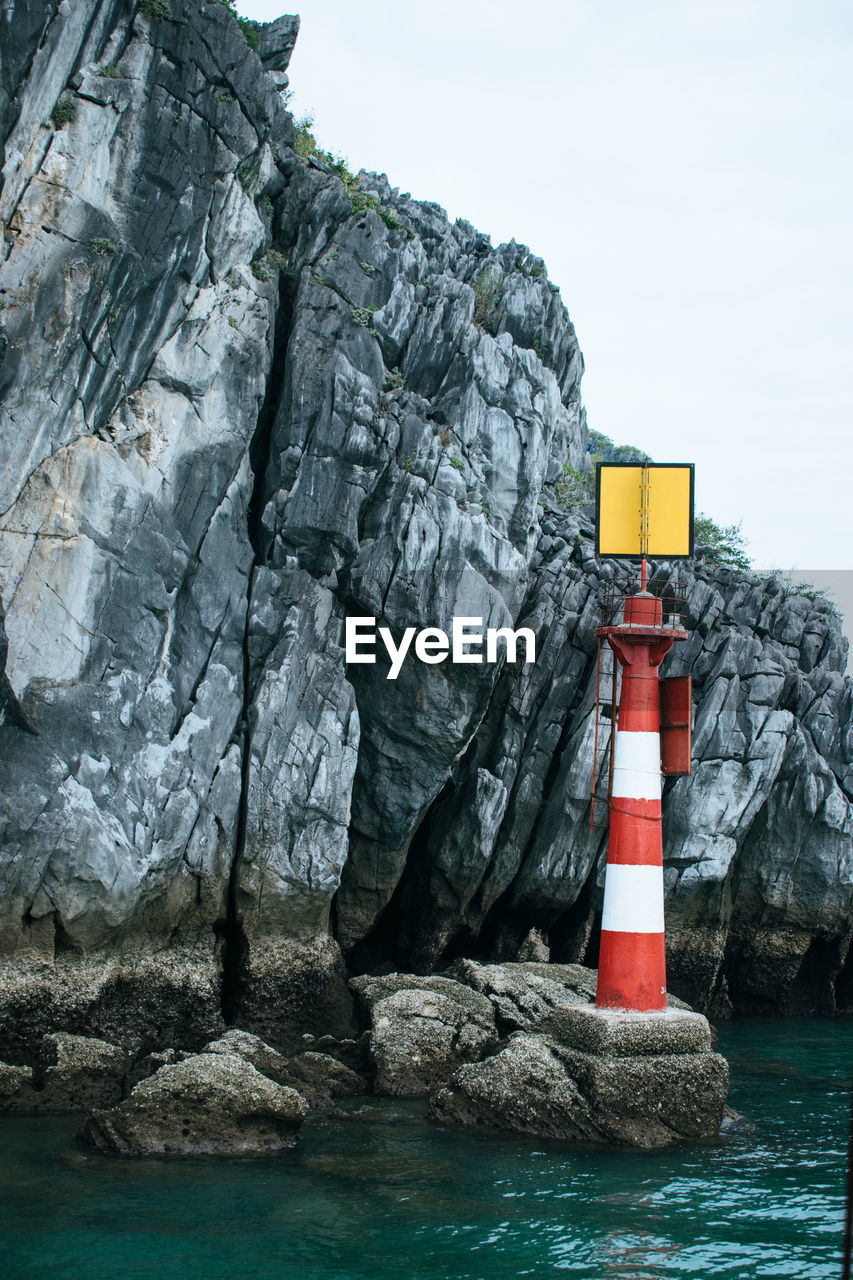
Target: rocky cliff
x,y
246,395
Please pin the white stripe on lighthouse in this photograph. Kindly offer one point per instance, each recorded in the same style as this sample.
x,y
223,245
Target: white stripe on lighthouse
x,y
633,899
636,766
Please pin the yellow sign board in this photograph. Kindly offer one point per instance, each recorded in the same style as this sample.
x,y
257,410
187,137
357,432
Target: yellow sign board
x,y
644,510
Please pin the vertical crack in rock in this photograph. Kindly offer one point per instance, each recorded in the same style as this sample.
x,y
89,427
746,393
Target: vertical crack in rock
x,y
235,943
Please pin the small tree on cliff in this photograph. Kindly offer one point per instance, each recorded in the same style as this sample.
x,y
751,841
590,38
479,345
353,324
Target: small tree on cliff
x,y
724,545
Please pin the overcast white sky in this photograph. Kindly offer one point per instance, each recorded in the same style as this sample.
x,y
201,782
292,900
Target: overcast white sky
x,y
685,168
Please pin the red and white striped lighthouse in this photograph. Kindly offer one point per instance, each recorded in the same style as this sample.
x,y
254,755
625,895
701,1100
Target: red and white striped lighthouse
x,y
632,962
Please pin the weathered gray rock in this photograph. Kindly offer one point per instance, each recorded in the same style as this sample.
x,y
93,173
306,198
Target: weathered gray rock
x,y
535,1085
525,1088
619,1033
318,1077
151,1062
16,1088
422,1029
288,987
78,1072
71,1073
209,457
526,996
125,553
352,1052
369,989
652,1099
170,999
261,1056
210,1104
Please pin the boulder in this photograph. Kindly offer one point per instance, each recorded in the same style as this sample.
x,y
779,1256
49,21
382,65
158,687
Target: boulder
x,y
317,1076
423,1029
652,1099
525,1088
320,1077
369,989
16,1088
152,1062
353,1053
262,1056
209,1104
75,1073
526,996
630,1078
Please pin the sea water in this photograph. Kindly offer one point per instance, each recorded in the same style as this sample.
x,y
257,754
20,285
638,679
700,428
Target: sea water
x,y
390,1195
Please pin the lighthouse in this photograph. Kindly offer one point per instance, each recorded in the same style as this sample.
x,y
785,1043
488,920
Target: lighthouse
x,y
641,509
643,1067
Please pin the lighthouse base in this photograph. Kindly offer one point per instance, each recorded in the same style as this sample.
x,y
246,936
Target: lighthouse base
x,y
648,1078
572,1071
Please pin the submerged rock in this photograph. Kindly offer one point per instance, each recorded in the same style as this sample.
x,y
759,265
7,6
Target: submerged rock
x,y
209,1104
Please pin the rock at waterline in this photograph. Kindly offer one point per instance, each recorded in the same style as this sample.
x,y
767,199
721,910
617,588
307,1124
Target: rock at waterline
x,y
209,1104
318,1077
16,1088
71,1073
639,1079
525,1088
426,1031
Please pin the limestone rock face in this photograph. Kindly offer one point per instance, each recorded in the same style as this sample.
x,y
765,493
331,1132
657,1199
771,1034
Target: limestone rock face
x,y
209,1104
142,1002
244,399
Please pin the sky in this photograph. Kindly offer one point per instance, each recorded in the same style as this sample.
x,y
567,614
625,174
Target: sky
x,y
685,168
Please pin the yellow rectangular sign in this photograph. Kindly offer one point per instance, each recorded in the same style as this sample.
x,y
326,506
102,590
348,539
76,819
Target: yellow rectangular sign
x,y
644,510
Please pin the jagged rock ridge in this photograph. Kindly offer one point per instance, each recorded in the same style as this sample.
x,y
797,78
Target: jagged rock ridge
x,y
211,454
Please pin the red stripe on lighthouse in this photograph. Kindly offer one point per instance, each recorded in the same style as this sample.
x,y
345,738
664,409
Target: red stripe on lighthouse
x,y
635,832
628,970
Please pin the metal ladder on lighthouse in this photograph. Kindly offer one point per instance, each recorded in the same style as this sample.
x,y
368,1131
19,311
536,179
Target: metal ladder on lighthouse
x,y
607,682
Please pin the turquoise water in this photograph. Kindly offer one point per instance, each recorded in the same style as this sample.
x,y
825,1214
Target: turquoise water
x,y
395,1197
